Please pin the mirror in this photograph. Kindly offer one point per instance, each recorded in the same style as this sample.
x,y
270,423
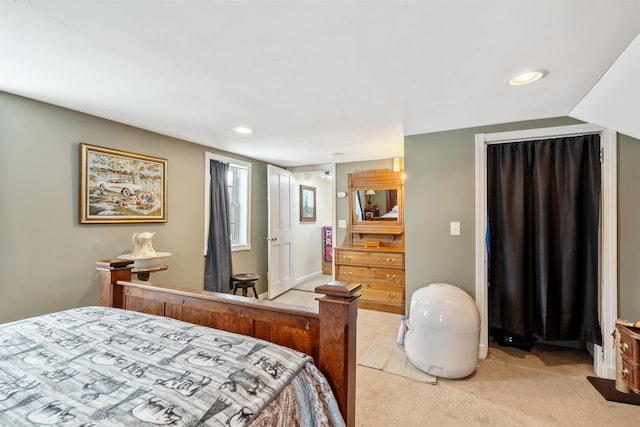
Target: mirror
x,y
376,203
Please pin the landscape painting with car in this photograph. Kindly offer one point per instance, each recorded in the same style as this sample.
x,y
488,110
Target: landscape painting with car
x,y
121,187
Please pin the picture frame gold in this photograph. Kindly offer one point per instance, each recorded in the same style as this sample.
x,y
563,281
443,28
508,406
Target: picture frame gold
x,y
307,203
121,187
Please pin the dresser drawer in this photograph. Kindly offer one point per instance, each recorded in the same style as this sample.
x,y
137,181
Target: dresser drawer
x,y
631,375
385,276
374,259
379,294
630,343
379,271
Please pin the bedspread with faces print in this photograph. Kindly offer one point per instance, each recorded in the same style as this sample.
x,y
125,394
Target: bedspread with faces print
x,y
95,366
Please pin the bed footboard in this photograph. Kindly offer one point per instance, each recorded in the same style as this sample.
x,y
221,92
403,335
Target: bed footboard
x,y
327,334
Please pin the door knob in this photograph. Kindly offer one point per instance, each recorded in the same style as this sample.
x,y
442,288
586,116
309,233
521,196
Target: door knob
x,y
273,239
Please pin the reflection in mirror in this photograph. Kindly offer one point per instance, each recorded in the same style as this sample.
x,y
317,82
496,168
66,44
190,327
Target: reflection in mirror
x,y
376,205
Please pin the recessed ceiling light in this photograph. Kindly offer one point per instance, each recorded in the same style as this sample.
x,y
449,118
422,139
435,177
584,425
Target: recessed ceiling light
x,y
243,129
527,77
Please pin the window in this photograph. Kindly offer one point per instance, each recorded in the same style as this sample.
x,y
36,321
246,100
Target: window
x,y
239,187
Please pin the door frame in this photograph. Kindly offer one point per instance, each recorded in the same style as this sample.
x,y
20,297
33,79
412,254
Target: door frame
x,y
604,356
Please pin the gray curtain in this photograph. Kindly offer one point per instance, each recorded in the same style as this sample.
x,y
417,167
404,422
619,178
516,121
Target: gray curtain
x,y
217,275
544,214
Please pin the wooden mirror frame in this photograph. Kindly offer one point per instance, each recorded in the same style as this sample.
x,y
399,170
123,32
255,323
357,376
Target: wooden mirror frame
x,y
376,180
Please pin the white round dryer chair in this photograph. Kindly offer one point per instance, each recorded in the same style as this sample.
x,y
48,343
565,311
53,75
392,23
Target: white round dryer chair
x,y
443,335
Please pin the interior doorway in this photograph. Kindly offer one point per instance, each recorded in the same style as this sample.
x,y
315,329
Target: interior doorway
x,y
312,236
604,360
543,239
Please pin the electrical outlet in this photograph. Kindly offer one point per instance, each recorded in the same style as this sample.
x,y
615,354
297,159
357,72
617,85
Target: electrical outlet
x,y
342,223
455,228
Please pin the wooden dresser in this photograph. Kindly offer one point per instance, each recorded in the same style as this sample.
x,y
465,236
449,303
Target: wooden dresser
x,y
630,351
380,271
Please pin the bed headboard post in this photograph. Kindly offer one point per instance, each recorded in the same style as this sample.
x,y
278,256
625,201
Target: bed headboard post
x,y
338,311
111,295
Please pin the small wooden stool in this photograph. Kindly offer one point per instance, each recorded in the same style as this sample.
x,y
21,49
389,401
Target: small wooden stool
x,y
244,281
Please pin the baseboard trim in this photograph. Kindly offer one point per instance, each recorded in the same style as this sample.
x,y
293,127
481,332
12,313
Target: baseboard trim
x,y
308,277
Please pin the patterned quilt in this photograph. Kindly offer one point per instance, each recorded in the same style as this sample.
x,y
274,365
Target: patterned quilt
x,y
103,366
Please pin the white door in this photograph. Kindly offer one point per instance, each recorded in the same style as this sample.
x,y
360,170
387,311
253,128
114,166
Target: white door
x,y
280,195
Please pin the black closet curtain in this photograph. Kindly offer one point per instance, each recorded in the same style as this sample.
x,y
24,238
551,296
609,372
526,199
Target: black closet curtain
x,y
543,214
217,275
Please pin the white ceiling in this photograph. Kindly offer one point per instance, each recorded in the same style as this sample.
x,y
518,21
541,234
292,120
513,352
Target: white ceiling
x,y
320,77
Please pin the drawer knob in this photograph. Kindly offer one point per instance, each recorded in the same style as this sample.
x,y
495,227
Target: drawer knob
x,y
391,260
391,277
624,347
346,257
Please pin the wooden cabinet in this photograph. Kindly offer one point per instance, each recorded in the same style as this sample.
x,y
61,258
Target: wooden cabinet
x,y
630,350
380,271
376,208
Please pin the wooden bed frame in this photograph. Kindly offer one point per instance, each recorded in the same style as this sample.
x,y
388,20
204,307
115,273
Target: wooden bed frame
x,y
327,334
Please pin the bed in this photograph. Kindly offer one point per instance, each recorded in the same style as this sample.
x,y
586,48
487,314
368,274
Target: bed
x,y
149,355
393,213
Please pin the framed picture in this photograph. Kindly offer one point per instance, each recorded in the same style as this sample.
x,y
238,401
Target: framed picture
x,y
121,187
307,204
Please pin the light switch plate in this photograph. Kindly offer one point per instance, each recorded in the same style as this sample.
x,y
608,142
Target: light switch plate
x,y
342,223
455,228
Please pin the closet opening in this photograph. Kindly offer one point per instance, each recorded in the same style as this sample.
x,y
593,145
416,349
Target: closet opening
x,y
543,219
604,294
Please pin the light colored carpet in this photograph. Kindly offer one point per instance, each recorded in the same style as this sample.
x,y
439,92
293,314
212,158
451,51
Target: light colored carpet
x,y
310,285
300,298
303,294
387,355
546,387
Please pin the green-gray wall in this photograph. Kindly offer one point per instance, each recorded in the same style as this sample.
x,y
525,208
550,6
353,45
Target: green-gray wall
x,y
47,259
439,188
629,228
